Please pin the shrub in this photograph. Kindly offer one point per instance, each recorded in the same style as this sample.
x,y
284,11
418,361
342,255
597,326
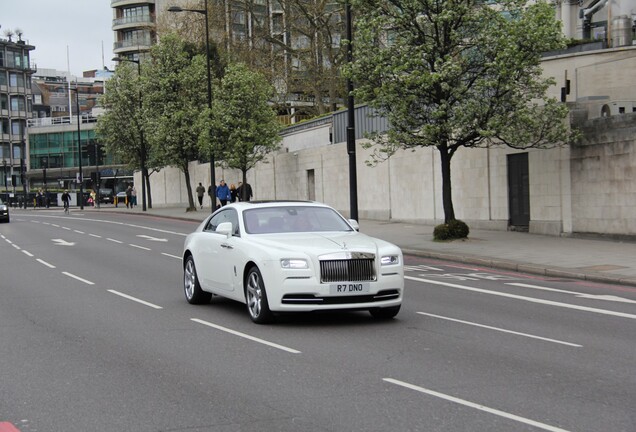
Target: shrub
x,y
441,232
455,229
458,229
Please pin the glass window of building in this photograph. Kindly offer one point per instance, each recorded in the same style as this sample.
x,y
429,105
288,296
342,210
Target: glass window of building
x,y
17,152
17,103
16,80
4,102
4,151
3,78
1,58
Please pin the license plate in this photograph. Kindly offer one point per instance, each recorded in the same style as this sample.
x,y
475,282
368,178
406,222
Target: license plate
x,y
349,288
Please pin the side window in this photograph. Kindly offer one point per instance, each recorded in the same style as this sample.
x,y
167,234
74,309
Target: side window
x,y
228,215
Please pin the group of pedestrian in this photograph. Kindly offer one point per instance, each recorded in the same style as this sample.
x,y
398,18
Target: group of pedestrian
x,y
131,196
224,193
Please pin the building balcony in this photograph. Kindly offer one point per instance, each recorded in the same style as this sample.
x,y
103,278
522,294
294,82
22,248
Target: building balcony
x,y
143,21
121,3
132,45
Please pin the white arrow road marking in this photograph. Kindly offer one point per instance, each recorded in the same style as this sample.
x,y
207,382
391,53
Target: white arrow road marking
x,y
61,242
152,238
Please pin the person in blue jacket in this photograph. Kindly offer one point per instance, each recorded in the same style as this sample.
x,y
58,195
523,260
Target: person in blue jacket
x,y
223,193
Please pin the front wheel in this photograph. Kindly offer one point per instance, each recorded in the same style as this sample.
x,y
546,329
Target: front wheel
x,y
191,287
384,313
256,298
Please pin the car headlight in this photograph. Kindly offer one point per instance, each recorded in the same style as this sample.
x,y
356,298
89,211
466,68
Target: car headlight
x,y
293,263
390,260
3,207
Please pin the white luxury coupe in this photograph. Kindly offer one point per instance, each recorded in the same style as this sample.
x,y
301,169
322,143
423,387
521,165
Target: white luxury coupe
x,y
291,256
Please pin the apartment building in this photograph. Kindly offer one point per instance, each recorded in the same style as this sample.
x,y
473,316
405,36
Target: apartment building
x,y
15,108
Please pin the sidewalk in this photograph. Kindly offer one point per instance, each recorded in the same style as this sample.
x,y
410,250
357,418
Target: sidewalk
x,y
588,259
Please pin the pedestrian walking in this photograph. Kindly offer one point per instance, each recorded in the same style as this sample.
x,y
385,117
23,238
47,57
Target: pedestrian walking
x,y
133,194
200,193
244,191
129,197
223,193
233,192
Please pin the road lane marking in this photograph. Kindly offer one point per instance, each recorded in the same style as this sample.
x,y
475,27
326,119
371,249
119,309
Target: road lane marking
x,y
475,405
62,242
41,261
126,296
577,294
246,336
501,330
95,235
147,237
66,228
78,278
79,232
16,246
528,299
171,256
113,240
138,247
27,253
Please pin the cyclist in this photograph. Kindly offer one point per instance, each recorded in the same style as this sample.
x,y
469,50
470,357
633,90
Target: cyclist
x,y
65,199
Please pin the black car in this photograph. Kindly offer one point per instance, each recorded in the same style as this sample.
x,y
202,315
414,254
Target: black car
x,y
106,196
4,212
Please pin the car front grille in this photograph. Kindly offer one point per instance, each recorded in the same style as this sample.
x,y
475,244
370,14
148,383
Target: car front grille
x,y
310,299
347,270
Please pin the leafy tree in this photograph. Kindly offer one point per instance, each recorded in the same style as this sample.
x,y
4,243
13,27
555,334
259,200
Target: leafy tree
x,y
175,94
243,124
121,127
458,73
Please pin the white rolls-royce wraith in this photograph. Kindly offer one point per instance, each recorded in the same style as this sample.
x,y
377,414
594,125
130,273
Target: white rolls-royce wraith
x,y
291,256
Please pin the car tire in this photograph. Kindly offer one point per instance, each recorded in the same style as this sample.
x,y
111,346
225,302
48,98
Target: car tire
x,y
385,313
256,298
191,287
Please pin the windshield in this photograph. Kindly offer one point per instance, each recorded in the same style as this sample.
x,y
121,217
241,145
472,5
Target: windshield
x,y
293,219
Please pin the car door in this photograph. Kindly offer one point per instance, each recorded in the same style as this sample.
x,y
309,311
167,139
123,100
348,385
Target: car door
x,y
217,256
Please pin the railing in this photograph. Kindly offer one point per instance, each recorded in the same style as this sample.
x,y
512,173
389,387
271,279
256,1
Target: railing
x,y
52,121
133,20
133,43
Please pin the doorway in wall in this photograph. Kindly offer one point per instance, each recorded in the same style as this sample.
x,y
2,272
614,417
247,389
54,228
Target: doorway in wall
x,y
518,192
311,185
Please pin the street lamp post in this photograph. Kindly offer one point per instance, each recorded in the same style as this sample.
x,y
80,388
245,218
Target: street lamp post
x,y
204,12
144,169
4,164
79,145
46,191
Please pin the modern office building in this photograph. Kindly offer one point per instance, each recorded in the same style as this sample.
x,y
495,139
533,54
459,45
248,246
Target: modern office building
x,y
15,108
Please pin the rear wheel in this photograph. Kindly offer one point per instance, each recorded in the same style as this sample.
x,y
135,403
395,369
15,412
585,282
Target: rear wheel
x,y
384,313
256,298
191,287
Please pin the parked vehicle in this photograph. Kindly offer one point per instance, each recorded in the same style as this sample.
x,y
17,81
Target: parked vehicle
x,y
4,212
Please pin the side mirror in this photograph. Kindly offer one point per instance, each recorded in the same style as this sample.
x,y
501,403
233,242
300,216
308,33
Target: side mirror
x,y
354,224
225,228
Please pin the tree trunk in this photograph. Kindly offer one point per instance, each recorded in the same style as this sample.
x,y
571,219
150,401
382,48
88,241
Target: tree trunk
x,y
148,194
447,198
191,205
243,189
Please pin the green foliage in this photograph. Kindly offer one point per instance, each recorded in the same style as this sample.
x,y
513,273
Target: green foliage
x,y
458,228
241,128
441,232
454,74
454,229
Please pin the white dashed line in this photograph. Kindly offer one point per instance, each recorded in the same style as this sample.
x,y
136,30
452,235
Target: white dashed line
x,y
126,296
243,335
95,235
78,278
138,247
476,406
41,261
171,256
113,240
27,253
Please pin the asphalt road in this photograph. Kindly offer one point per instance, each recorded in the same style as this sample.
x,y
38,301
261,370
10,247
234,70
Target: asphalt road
x,y
95,335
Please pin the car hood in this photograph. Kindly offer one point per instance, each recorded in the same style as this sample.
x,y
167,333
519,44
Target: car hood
x,y
323,242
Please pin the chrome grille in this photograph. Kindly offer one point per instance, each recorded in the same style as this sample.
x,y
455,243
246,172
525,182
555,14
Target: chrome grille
x,y
347,270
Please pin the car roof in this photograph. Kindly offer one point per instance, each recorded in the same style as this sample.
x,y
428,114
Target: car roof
x,y
244,205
